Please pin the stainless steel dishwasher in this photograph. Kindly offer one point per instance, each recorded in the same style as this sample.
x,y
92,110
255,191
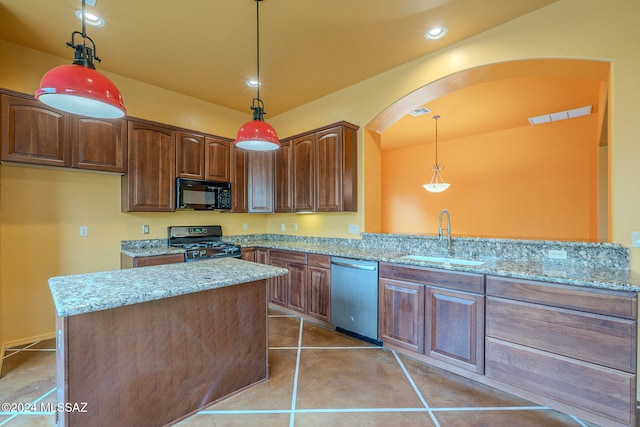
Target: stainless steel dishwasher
x,y
354,298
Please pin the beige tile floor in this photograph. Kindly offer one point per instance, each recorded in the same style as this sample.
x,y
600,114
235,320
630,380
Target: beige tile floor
x,y
317,378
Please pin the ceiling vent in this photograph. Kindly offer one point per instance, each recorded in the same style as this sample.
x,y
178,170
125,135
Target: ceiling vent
x,y
419,111
561,115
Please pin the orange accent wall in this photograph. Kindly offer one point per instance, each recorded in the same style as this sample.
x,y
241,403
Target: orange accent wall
x,y
533,182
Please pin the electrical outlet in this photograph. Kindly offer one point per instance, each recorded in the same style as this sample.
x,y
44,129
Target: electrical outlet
x,y
295,227
84,231
145,229
245,226
354,229
635,239
283,227
557,254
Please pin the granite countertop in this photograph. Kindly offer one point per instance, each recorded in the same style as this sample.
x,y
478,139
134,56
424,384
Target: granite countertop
x,y
85,293
557,272
614,279
154,251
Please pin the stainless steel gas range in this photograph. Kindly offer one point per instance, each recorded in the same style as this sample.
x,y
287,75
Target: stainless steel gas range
x,y
202,242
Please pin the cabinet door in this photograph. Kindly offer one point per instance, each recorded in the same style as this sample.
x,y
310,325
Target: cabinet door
x,y
401,314
260,181
99,144
248,254
150,182
303,172
190,155
34,133
328,170
216,159
282,178
455,328
278,285
319,292
297,287
238,165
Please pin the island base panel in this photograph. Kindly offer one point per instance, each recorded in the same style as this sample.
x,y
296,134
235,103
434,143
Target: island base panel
x,y
155,362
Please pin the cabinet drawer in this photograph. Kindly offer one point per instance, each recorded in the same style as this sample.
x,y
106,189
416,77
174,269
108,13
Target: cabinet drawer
x,y
468,282
600,301
592,388
594,338
289,256
317,260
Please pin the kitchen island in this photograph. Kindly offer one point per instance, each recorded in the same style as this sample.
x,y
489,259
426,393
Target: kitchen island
x,y
149,346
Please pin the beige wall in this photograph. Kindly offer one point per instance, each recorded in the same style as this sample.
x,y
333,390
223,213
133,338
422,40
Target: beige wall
x,y
566,29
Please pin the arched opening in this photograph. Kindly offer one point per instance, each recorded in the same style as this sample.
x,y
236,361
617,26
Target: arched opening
x,y
509,178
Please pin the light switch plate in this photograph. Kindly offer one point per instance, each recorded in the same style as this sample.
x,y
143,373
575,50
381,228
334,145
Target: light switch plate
x,y
354,229
145,229
84,231
283,227
635,239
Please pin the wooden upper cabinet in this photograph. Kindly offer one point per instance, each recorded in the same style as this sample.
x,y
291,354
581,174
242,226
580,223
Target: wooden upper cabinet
x,y
282,178
99,144
217,156
325,169
260,181
190,155
34,133
239,171
336,169
202,157
149,185
303,173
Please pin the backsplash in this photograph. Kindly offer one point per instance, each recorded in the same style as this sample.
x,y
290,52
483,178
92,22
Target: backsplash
x,y
578,254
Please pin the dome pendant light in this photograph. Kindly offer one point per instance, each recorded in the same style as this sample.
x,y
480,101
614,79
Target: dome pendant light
x,y
437,183
257,134
78,88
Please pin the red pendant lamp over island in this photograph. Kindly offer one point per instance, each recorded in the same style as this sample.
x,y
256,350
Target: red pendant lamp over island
x,y
257,135
78,88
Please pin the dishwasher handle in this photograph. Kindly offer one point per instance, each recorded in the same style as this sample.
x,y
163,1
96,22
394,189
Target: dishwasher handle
x,y
356,266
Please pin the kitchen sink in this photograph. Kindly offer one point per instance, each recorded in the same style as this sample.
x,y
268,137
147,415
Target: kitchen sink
x,y
443,260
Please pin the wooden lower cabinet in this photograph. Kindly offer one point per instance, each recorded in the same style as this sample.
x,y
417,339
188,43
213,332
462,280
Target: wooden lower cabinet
x,y
454,330
570,348
319,287
589,391
127,261
307,287
401,318
278,286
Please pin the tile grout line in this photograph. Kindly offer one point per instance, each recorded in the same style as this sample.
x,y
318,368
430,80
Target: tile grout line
x,y
415,389
30,413
295,376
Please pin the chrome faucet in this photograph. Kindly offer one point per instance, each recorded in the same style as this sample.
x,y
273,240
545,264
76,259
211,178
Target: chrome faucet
x,y
440,236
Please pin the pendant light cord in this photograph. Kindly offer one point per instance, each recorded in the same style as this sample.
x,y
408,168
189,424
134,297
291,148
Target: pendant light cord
x,y
257,44
436,119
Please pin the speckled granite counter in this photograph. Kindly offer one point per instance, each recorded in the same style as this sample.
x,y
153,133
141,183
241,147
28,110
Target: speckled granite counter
x,y
84,293
596,265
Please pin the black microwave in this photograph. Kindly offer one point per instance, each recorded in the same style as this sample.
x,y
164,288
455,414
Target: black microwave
x,y
202,195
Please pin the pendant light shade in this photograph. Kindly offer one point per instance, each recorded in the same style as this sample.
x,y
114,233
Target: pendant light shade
x,y
257,135
81,90
437,184
78,88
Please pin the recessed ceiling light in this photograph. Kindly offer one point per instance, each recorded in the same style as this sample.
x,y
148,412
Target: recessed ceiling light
x,y
91,18
436,33
253,83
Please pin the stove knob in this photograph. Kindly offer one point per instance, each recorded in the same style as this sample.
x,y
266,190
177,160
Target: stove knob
x,y
202,253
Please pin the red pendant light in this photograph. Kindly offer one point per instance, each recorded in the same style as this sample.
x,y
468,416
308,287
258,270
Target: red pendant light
x,y
257,134
78,88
